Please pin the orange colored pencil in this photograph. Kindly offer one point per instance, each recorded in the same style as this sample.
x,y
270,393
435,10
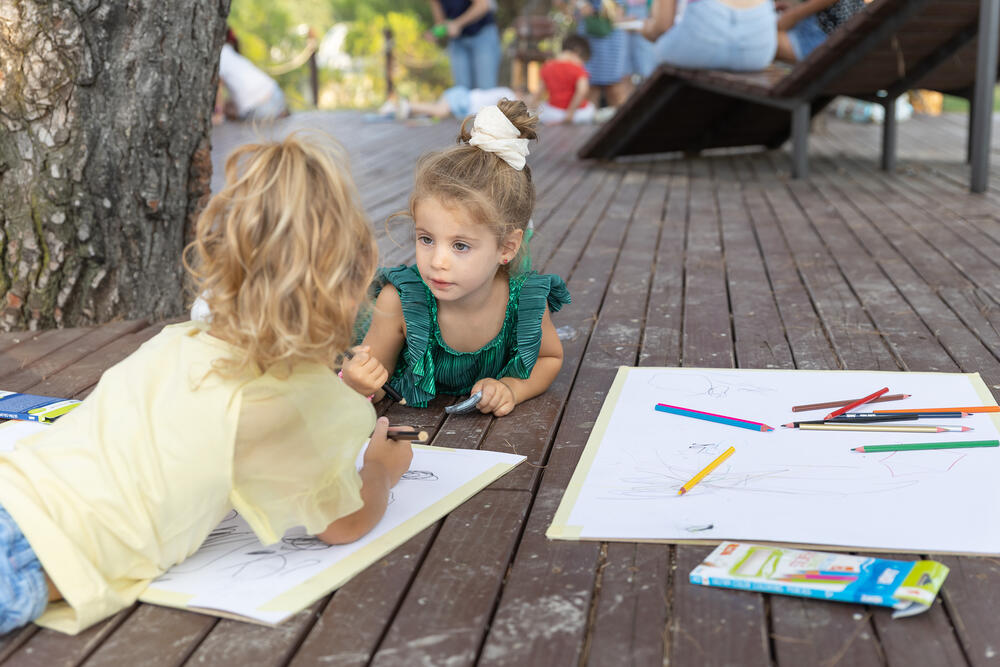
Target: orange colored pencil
x,y
975,408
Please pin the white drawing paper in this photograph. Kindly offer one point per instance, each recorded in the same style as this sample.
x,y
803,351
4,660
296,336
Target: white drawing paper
x,y
235,574
232,572
787,485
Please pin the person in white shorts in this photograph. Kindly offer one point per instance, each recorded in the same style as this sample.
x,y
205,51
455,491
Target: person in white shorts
x,y
253,95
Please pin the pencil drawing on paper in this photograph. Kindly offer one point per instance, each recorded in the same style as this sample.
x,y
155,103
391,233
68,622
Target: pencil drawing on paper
x,y
234,539
712,385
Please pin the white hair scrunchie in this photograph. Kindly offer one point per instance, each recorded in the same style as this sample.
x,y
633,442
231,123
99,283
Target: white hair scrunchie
x,y
493,132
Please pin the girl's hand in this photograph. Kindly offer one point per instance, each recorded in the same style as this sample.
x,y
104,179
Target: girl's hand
x,y
454,30
363,372
393,455
498,397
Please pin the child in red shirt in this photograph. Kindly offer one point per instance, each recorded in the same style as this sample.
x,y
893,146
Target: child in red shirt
x,y
567,83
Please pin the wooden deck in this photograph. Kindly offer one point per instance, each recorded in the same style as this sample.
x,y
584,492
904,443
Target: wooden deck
x,y
719,261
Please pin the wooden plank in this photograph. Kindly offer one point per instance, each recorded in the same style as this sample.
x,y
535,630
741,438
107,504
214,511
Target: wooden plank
x,y
801,323
851,333
27,352
447,608
70,353
630,609
970,607
796,638
543,611
48,648
706,621
352,625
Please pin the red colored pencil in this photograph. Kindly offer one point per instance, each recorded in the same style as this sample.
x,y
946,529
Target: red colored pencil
x,y
860,401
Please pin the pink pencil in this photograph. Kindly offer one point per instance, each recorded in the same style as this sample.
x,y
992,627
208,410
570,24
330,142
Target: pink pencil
x,y
860,401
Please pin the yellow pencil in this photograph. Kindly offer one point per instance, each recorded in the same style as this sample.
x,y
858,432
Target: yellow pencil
x,y
709,468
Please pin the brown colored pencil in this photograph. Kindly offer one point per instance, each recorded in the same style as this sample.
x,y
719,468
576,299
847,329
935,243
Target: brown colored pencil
x,y
974,408
419,436
837,404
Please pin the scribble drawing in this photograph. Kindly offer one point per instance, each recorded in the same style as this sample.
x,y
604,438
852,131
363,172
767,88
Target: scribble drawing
x,y
420,475
716,385
704,447
794,480
303,543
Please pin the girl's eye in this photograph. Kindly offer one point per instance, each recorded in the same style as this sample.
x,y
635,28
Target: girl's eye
x,y
425,240
460,247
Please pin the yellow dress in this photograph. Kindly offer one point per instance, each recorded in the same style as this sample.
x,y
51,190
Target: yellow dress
x,y
132,481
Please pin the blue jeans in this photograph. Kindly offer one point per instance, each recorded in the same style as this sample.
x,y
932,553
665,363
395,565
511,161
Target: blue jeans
x,y
475,60
805,36
712,35
23,591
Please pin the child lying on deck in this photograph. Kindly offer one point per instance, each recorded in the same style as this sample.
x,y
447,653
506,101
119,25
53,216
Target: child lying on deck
x,y
470,316
243,412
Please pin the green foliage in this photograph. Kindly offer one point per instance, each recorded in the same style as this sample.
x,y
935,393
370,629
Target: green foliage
x,y
273,32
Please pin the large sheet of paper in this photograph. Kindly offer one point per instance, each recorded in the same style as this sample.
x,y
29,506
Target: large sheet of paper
x,y
234,575
787,485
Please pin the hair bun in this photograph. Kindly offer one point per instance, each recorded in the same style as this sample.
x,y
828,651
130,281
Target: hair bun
x,y
516,112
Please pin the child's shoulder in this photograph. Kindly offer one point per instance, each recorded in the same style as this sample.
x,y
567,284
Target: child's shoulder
x,y
538,290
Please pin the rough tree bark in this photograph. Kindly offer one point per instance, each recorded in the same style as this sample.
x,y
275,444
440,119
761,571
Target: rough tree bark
x,y
105,113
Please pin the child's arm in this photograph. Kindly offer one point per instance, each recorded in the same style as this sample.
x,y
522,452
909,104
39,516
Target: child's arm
x,y
385,462
500,396
579,95
791,16
375,360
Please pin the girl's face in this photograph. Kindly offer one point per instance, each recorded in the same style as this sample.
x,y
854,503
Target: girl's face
x,y
457,256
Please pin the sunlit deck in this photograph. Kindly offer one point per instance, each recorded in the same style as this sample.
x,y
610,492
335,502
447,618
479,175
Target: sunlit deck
x,y
719,261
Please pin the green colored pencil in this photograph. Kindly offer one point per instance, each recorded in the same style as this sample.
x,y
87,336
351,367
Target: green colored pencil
x,y
866,449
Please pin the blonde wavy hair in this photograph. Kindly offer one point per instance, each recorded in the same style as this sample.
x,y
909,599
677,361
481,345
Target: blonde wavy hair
x,y
490,190
284,254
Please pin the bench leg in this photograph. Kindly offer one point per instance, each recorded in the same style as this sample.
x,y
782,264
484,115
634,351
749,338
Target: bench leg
x,y
986,76
800,140
889,132
968,135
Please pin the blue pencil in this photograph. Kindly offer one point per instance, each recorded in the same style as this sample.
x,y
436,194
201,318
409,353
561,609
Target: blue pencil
x,y
711,417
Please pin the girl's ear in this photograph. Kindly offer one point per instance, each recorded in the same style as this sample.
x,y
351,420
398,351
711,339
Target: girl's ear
x,y
510,245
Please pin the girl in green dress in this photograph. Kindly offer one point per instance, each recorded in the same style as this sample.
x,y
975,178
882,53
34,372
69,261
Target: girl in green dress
x,y
470,316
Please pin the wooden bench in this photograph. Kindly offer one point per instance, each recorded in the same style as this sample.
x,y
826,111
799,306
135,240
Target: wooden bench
x,y
889,47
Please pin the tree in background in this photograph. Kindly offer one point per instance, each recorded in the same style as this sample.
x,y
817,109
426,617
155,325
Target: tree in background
x,y
105,113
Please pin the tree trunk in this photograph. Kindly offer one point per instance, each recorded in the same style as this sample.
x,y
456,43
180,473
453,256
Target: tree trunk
x,y
105,114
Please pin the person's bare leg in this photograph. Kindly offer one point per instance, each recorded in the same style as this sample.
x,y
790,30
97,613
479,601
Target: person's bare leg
x,y
619,91
785,51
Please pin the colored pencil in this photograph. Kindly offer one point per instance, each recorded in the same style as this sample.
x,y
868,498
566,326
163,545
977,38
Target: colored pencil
x,y
837,404
387,388
712,417
707,469
860,401
853,420
420,436
882,428
868,418
973,409
902,415
912,446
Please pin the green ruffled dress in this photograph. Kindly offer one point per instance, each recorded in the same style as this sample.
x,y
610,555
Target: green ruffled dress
x,y
427,366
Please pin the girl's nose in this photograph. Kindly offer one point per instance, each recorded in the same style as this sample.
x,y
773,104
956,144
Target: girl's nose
x,y
439,260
